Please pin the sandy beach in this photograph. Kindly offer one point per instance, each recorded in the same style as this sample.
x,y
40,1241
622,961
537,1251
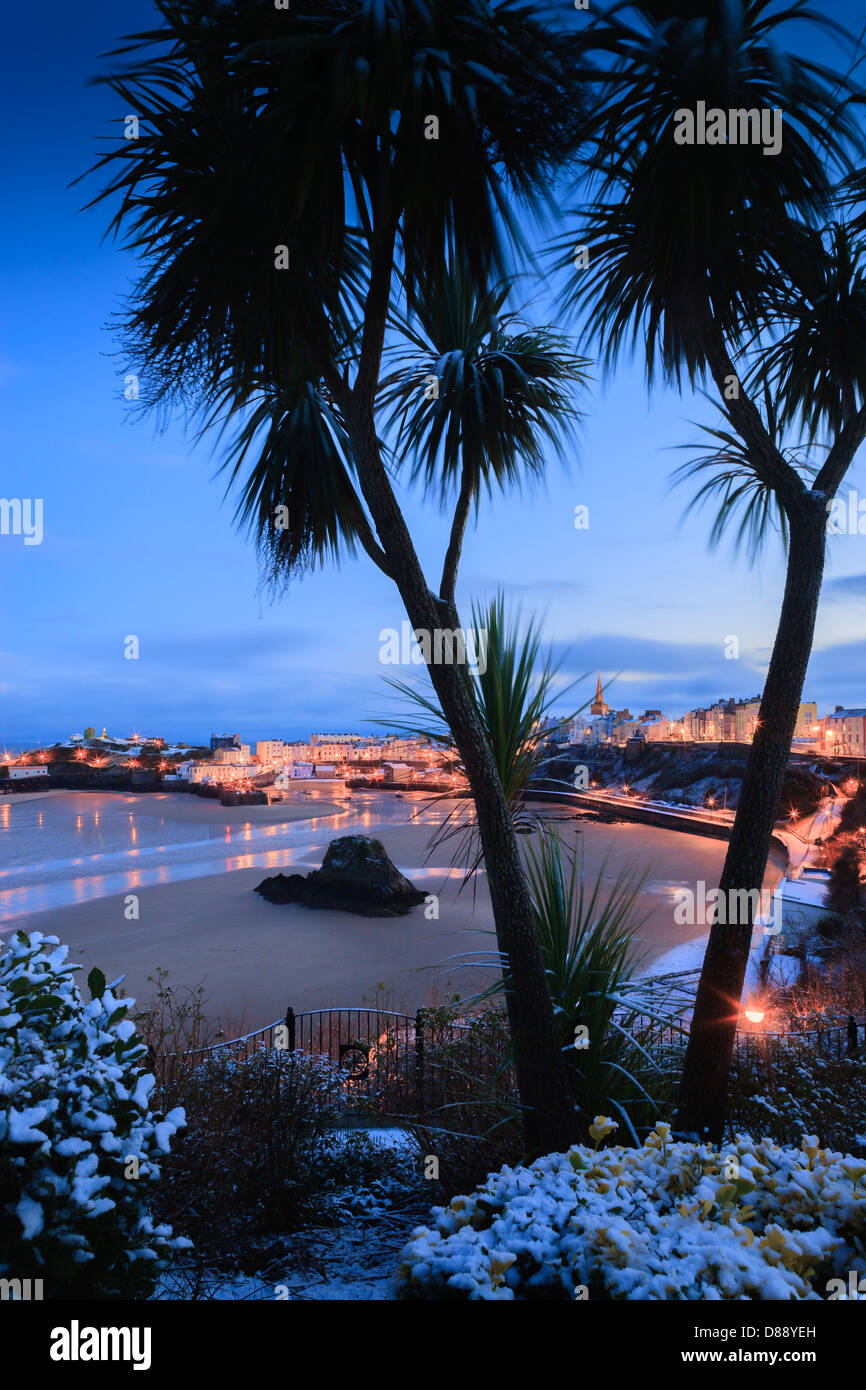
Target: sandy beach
x,y
206,925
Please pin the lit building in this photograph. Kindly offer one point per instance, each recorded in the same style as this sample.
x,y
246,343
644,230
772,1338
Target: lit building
x,y
271,752
232,754
405,750
807,720
396,772
846,732
746,719
655,728
222,771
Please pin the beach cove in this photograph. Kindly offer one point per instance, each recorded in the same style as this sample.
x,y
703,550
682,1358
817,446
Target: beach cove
x,y
136,882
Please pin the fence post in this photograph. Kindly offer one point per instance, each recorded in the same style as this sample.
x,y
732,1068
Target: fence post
x,y
290,1024
852,1035
419,1057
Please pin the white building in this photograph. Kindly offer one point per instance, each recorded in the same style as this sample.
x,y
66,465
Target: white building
x,y
656,730
846,732
271,752
222,771
232,755
396,772
406,749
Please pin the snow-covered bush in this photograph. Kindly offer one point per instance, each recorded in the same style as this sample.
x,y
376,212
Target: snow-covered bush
x,y
78,1143
802,1091
665,1221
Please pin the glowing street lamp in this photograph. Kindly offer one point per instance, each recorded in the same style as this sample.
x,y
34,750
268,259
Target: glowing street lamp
x,y
755,1011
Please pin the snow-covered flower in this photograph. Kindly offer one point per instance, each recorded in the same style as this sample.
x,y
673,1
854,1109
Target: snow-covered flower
x,y
658,1222
601,1128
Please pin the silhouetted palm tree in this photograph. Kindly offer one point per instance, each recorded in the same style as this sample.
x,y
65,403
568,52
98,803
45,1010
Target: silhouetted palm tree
x,y
711,258
291,164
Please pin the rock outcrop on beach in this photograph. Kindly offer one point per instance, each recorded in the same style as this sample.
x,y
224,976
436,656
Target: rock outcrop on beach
x,y
356,876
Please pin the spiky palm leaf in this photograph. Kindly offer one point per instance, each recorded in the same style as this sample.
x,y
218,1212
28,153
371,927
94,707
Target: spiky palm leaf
x,y
511,696
589,940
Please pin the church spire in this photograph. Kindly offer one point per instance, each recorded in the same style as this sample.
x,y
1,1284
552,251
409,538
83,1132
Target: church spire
x,y
598,705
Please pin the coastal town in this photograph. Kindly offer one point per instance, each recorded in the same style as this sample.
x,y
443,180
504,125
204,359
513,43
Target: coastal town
x,y
229,763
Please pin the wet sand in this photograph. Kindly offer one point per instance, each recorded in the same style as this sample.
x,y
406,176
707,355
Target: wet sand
x,y
256,958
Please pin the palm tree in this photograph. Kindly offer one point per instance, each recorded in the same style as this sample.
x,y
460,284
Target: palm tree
x,y
713,257
512,692
291,163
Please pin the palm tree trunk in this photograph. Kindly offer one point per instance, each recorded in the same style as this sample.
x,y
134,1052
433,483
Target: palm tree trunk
x,y
549,1116
550,1120
703,1088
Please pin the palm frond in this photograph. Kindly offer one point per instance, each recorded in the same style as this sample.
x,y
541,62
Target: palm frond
x,y
725,478
504,390
817,366
682,236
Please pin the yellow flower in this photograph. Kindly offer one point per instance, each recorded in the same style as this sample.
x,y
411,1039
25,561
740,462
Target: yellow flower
x,y
498,1265
602,1128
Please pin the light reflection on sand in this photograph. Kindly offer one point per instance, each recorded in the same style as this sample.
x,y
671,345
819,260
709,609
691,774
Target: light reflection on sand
x,y
126,839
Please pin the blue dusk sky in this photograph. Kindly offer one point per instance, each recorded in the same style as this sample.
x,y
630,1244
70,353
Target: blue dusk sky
x,y
138,538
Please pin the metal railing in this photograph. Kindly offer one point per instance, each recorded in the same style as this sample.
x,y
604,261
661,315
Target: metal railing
x,y
396,1064
384,1062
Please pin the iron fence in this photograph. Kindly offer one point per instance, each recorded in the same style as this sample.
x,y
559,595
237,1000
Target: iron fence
x,y
391,1064
384,1063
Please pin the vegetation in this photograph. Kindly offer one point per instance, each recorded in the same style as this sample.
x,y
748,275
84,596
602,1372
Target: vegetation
x,y
757,285
665,1221
511,690
264,301
81,1147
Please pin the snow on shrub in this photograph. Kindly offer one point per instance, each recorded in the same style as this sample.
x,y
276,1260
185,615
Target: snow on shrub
x,y
665,1221
75,1128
